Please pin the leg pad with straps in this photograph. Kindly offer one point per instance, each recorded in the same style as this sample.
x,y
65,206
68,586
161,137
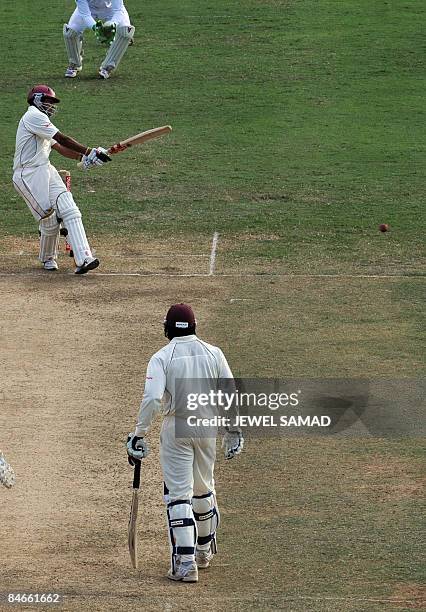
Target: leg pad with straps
x,y
182,529
207,516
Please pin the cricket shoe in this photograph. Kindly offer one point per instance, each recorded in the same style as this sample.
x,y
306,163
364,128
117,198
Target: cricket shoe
x,y
186,571
50,265
90,263
105,73
203,558
71,71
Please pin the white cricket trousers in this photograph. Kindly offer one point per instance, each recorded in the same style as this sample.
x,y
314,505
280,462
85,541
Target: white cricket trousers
x,y
77,24
40,187
44,192
187,463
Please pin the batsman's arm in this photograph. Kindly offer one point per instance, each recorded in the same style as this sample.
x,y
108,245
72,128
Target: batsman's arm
x,y
70,143
155,386
84,13
66,152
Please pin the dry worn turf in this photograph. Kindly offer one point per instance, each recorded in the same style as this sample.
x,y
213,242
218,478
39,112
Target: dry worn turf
x,y
306,524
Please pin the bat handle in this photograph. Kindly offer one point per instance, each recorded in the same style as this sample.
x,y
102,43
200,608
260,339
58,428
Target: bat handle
x,y
137,474
102,156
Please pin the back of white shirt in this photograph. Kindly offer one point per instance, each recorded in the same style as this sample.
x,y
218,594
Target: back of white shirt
x,y
33,139
186,357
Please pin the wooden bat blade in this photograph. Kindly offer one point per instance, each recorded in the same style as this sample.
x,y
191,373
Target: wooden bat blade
x,y
132,531
139,139
132,534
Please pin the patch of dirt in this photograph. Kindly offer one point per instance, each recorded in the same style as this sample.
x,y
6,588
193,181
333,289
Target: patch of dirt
x,y
413,595
73,353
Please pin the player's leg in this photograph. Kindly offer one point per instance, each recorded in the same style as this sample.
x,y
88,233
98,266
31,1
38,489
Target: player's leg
x,y
204,502
33,186
123,38
73,38
49,239
69,214
176,458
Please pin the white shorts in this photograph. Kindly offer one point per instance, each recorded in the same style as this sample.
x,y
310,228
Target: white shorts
x,y
40,187
77,24
187,463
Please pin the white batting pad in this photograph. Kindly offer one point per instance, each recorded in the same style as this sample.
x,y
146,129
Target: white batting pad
x,y
70,214
182,531
49,238
74,45
206,514
118,48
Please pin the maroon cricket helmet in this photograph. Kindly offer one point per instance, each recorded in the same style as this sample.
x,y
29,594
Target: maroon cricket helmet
x,y
46,91
179,321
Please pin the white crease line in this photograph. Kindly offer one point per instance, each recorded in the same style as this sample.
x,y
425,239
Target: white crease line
x,y
213,253
220,274
115,255
145,274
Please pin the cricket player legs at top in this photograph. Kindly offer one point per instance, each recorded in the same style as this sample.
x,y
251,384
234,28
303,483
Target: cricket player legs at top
x,y
111,24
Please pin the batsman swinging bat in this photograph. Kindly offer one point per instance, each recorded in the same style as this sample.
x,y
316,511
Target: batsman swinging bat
x,y
137,140
132,530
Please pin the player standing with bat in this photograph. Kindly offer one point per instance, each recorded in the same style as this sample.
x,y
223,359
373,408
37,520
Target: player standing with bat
x,y
40,185
187,463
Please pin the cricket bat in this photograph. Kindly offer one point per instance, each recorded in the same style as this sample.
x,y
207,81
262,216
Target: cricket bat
x,y
132,530
136,140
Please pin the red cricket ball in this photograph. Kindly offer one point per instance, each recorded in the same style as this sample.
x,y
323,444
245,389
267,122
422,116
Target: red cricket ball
x,y
383,227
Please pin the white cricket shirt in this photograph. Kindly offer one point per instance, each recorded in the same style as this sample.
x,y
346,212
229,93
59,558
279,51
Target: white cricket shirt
x,y
184,357
33,139
88,8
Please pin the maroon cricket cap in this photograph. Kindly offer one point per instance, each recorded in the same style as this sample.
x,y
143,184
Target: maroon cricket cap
x,y
180,316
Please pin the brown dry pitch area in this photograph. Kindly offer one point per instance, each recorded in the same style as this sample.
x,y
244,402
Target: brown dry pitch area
x,y
302,521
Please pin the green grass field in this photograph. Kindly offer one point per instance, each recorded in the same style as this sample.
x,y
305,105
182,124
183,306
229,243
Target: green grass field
x,y
298,127
299,122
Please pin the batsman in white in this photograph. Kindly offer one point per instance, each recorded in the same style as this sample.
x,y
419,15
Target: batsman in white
x,y
110,21
187,463
40,184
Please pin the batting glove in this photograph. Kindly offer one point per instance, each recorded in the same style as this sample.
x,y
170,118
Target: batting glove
x,y
96,157
233,443
137,448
